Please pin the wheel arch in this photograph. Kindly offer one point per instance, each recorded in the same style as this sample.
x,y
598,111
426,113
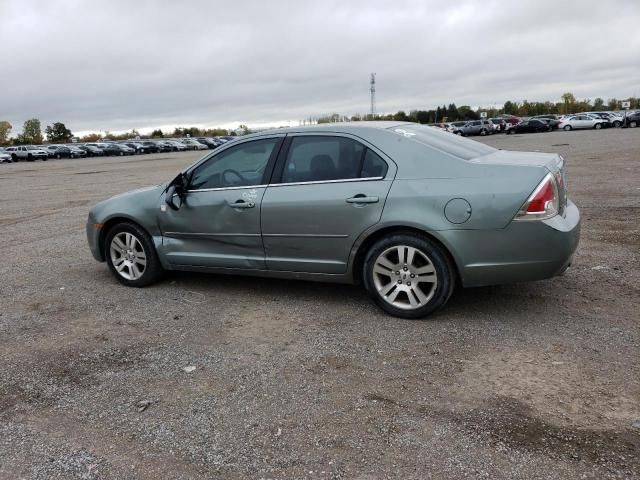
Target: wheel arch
x,y
365,244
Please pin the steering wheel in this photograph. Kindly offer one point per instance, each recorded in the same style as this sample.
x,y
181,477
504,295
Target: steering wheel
x,y
243,181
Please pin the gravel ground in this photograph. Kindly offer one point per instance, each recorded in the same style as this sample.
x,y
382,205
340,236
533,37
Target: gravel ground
x,y
302,380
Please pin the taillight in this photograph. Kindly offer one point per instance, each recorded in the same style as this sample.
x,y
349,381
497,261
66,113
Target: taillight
x,y
543,203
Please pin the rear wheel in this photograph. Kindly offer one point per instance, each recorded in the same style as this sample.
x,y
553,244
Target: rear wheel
x,y
633,124
616,123
567,128
597,126
131,256
483,132
408,276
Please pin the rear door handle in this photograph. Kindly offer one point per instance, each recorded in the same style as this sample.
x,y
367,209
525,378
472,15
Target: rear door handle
x,y
360,198
241,204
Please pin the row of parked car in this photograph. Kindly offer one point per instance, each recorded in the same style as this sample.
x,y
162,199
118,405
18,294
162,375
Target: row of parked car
x,y
543,123
100,149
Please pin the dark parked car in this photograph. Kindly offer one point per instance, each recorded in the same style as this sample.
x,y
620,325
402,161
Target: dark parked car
x,y
65,151
137,147
552,122
633,120
150,147
209,142
531,126
114,149
92,150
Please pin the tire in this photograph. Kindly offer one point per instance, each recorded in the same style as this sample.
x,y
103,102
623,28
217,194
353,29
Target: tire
x,y
616,124
633,124
483,132
14,157
597,126
58,156
567,128
125,272
121,154
410,301
30,158
72,155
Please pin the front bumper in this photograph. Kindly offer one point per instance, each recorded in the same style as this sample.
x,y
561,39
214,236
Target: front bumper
x,y
523,251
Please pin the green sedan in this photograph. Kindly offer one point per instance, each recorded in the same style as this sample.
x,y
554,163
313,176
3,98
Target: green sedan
x,y
406,210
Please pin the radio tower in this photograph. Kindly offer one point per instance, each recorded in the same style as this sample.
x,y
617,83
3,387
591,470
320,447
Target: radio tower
x,y
373,95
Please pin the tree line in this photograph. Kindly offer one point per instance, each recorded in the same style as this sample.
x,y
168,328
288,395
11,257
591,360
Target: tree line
x,y
452,113
59,133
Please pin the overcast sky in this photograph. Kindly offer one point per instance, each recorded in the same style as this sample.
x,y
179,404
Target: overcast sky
x,y
116,65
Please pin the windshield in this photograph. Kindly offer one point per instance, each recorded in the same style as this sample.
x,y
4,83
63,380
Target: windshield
x,y
444,141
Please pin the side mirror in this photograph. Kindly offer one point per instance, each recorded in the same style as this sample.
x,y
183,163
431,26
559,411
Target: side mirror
x,y
173,198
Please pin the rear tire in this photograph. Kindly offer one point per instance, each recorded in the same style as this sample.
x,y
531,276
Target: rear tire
x,y
411,286
616,123
597,126
134,263
633,124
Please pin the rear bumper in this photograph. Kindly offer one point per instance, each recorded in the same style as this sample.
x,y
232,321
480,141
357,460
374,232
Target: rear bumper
x,y
523,251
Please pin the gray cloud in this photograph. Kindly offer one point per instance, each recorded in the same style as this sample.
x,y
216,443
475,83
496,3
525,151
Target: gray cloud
x,y
117,65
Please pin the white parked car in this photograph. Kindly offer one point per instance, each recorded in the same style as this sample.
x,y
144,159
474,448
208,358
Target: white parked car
x,y
5,157
575,122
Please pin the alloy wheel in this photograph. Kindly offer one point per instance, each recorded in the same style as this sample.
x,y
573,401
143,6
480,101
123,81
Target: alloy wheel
x,y
128,256
405,277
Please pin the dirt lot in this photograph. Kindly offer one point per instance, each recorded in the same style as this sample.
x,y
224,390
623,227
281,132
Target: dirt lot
x,y
303,380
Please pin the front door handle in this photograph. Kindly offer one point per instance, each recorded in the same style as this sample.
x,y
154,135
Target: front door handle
x,y
241,204
361,198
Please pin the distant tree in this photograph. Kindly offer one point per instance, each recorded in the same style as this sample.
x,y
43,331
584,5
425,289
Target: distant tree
x,y
157,134
508,107
400,116
58,133
598,104
438,115
569,101
91,137
31,132
613,104
422,116
5,130
466,113
452,112
245,130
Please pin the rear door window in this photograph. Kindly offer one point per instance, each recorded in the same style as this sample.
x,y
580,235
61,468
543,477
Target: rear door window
x,y
327,158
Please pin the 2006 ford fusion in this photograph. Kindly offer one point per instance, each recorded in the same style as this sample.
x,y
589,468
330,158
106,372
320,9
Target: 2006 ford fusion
x,y
407,210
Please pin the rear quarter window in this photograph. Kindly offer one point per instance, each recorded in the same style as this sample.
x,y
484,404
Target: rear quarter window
x,y
446,142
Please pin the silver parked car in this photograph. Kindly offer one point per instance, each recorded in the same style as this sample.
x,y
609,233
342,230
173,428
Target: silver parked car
x,y
574,122
407,210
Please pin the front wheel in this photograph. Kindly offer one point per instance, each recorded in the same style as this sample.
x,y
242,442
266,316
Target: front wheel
x,y
408,276
567,128
131,255
597,126
616,123
633,124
